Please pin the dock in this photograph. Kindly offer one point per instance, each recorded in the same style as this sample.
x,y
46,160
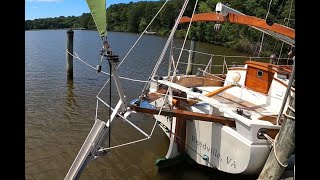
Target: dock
x,y
150,33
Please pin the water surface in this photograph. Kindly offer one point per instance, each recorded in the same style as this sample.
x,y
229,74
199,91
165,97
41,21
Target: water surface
x,y
60,113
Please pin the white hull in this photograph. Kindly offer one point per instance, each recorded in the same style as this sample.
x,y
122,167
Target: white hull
x,y
229,149
226,150
226,121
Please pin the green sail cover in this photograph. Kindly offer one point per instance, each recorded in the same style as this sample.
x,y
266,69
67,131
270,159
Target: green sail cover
x,y
98,13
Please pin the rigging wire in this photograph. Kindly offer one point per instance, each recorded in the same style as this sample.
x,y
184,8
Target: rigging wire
x,y
126,78
142,33
263,34
279,10
110,108
162,55
155,69
287,25
110,86
275,19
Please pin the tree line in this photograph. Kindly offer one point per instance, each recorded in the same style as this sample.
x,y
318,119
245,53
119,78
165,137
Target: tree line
x,y
134,17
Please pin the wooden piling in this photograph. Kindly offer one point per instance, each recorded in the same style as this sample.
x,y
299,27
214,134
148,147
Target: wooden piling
x,y
69,57
284,146
191,57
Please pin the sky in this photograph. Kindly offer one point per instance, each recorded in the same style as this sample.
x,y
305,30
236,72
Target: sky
x,y
35,9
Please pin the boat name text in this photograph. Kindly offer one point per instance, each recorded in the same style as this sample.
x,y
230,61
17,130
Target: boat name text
x,y
214,152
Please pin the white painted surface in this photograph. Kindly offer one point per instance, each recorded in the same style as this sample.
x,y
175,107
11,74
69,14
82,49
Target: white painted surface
x,y
232,150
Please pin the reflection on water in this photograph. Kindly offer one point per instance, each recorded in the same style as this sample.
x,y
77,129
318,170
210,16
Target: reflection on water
x,y
60,113
70,100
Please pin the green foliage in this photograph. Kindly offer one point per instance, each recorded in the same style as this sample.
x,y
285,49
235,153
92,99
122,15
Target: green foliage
x,y
134,17
204,7
143,24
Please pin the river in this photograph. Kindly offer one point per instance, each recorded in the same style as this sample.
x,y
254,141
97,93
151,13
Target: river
x,y
60,113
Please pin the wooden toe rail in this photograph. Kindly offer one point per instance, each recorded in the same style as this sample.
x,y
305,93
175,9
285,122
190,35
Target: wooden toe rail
x,y
183,114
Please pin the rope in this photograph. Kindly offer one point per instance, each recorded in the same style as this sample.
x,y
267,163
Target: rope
x,y
275,154
129,79
268,138
77,57
289,117
273,143
291,108
142,33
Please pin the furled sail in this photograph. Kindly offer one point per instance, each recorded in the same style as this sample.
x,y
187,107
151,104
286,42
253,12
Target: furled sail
x,y
98,13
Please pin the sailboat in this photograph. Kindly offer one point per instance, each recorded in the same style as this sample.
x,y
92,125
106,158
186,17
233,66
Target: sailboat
x,y
227,121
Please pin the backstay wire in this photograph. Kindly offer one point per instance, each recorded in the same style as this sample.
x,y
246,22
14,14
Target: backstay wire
x,y
288,26
262,37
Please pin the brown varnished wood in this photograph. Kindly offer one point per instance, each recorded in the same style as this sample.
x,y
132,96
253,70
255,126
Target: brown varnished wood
x,y
237,68
187,115
210,94
236,102
272,132
272,119
261,65
181,126
213,93
194,81
259,84
261,23
213,17
241,19
154,96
